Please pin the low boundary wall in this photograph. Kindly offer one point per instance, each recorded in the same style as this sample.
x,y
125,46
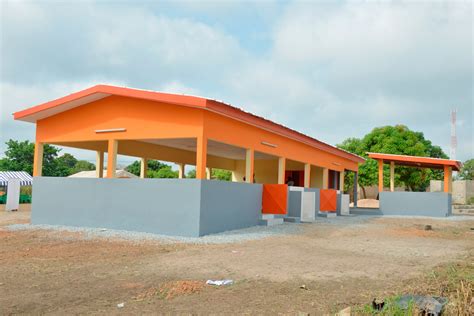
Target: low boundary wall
x,y
178,207
435,204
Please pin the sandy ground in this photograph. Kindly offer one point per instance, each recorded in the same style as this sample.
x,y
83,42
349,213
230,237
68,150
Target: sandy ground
x,y
341,263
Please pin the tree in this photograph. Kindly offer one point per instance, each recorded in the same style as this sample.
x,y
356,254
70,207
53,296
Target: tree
x,y
19,156
156,169
467,170
82,165
191,174
221,174
64,165
394,140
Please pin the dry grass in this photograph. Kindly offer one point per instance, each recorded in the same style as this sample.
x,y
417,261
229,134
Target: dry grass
x,y
453,281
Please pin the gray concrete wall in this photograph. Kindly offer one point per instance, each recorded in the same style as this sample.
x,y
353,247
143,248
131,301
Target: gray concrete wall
x,y
294,203
316,200
436,204
162,206
177,207
229,205
462,190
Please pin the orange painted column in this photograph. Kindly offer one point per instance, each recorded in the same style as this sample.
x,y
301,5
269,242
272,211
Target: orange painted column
x,y
380,175
341,181
325,178
99,164
281,170
307,175
38,160
112,158
201,157
447,179
181,170
143,167
249,165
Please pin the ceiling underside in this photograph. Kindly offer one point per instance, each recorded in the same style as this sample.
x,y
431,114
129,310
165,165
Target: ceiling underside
x,y
213,148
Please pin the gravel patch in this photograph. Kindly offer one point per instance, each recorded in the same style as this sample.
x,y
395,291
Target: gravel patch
x,y
234,236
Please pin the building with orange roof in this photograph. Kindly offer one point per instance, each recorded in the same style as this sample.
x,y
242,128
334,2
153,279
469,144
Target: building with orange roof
x,y
186,130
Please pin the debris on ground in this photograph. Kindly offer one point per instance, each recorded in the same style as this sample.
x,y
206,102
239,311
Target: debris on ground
x,y
120,305
304,287
148,293
429,305
219,282
176,288
345,312
378,305
428,227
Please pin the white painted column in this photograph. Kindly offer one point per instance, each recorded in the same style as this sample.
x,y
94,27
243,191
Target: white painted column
x,y
392,176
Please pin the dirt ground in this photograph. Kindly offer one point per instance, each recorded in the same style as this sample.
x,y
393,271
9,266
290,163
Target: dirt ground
x,y
321,270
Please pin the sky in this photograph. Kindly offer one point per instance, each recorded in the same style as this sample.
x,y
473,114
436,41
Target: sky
x,y
331,70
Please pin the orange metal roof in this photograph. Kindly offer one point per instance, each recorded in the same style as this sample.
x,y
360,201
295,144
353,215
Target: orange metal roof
x,y
102,91
416,161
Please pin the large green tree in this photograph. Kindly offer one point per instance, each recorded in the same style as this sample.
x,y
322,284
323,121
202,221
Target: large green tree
x,y
156,169
19,157
467,170
399,140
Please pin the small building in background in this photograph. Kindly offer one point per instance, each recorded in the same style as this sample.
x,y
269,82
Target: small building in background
x,y
120,173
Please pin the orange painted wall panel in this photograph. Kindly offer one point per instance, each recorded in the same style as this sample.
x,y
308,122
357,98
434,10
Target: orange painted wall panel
x,y
142,119
327,200
230,131
275,199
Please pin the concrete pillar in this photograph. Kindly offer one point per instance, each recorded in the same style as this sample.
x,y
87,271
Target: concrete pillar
x,y
249,165
356,184
112,158
143,168
38,160
181,170
281,170
208,173
325,178
392,176
99,164
201,157
341,181
380,175
307,175
448,180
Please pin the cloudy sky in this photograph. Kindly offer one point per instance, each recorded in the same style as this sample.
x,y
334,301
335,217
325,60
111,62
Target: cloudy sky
x,y
331,70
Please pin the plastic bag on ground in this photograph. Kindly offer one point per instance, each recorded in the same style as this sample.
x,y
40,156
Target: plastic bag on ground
x,y
219,282
431,305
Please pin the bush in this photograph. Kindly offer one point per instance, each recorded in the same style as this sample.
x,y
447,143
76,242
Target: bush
x,y
470,200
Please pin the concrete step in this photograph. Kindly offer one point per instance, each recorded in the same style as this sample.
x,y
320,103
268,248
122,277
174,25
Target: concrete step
x,y
268,216
365,211
327,214
463,211
292,219
271,222
463,207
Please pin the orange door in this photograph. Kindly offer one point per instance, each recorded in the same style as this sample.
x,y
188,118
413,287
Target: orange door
x,y
274,199
327,200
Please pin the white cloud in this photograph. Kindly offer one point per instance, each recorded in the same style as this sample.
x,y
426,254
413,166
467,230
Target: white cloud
x,y
331,70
